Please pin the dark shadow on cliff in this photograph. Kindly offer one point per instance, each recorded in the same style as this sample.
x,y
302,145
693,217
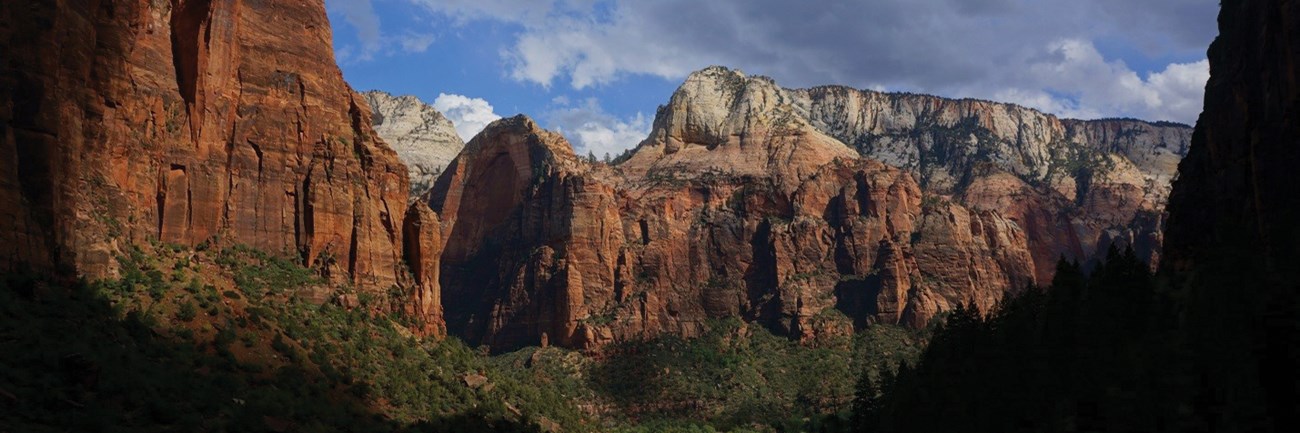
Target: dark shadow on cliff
x,y
856,298
73,362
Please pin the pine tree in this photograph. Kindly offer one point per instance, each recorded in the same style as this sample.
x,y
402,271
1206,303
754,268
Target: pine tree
x,y
866,404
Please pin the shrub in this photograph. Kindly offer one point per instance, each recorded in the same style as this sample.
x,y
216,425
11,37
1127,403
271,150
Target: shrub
x,y
187,311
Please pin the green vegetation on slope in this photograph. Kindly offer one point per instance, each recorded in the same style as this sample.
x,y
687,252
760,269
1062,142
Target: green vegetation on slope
x,y
240,340
735,377
165,349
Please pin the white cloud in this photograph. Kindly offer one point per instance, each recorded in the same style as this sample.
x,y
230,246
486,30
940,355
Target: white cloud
x,y
593,131
1073,79
360,14
1182,89
948,47
470,115
412,42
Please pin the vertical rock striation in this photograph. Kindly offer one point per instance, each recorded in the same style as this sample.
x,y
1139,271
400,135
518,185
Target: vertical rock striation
x,y
542,245
124,121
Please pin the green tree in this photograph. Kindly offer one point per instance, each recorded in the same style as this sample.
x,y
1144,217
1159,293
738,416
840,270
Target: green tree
x,y
866,403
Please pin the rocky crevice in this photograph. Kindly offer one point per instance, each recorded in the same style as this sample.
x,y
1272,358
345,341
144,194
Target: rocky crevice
x,y
190,36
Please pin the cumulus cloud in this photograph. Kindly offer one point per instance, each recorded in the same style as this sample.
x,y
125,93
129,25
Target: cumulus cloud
x,y
950,47
594,131
1074,79
1181,87
470,115
412,42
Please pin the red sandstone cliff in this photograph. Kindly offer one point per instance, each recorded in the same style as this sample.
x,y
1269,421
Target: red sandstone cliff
x,y
187,121
125,121
743,203
542,244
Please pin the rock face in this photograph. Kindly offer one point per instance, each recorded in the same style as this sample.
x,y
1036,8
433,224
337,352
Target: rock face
x,y
544,246
1235,187
424,139
1074,186
725,124
745,203
187,121
1232,241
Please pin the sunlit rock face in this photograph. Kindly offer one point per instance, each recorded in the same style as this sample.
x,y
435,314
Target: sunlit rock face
x,y
188,122
422,137
746,201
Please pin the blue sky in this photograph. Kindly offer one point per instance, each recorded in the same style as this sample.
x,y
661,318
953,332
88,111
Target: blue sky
x,y
597,69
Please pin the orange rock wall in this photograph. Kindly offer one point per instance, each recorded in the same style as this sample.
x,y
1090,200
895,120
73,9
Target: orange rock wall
x,y
184,121
542,245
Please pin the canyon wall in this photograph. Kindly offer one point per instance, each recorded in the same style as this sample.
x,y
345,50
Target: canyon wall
x,y
721,213
810,211
185,122
1233,243
1074,186
746,201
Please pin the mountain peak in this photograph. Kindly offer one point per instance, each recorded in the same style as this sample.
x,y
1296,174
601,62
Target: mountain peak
x,y
721,120
524,130
422,137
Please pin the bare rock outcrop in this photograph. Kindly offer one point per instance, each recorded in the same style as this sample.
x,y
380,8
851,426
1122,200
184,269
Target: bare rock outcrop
x,y
1083,185
422,137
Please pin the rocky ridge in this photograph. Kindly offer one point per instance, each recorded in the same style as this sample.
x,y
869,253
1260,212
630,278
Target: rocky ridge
x,y
544,246
185,124
743,203
1075,186
422,137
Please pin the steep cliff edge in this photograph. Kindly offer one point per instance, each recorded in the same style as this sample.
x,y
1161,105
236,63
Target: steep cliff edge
x,y
1233,243
188,122
1234,187
422,137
